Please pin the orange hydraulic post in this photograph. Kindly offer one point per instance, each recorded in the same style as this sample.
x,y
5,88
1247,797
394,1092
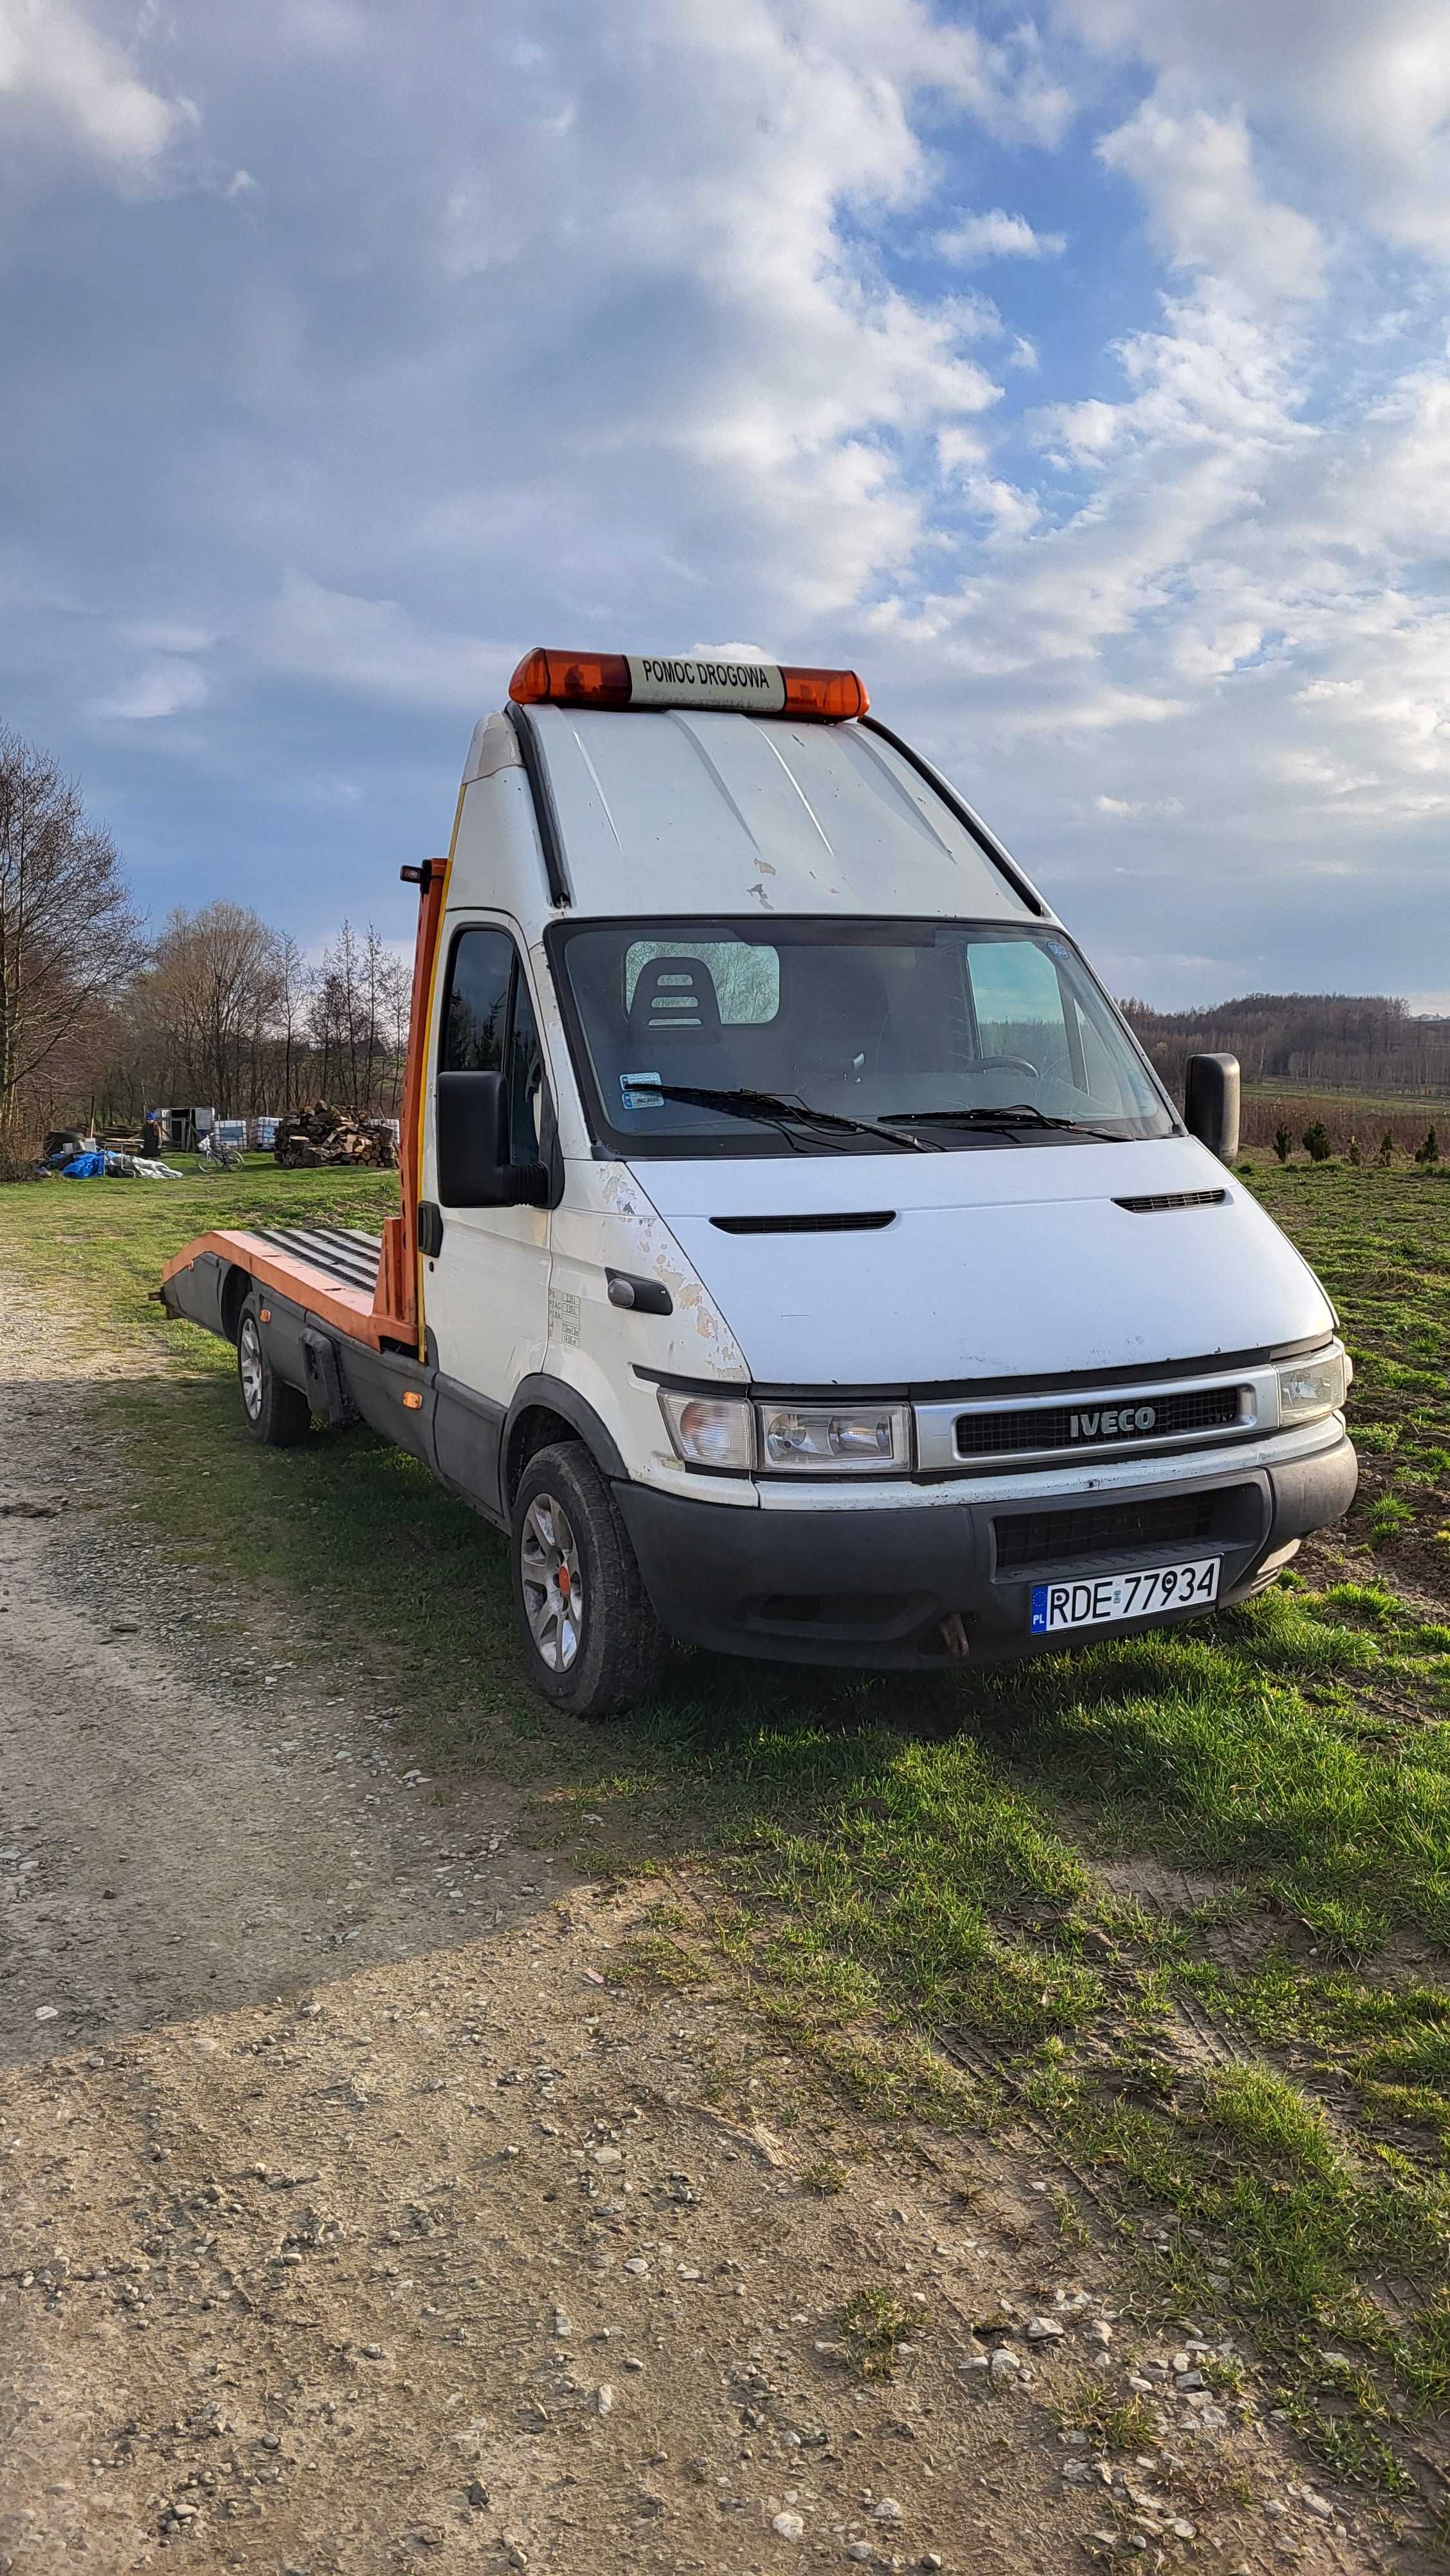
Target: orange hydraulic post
x,y
395,1301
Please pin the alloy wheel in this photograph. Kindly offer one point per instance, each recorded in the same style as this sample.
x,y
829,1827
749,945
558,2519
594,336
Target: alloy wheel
x,y
552,1587
249,1366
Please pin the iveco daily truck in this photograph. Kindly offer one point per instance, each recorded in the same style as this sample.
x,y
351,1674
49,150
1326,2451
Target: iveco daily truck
x,y
798,1255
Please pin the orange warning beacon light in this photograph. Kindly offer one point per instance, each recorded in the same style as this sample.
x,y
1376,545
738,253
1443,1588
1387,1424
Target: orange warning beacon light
x,y
617,680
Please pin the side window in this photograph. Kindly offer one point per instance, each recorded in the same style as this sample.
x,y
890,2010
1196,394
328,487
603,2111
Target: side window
x,y
526,1076
1019,1005
489,1027
1101,1075
475,1018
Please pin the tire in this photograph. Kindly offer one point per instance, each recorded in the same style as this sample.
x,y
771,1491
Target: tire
x,y
591,1643
277,1414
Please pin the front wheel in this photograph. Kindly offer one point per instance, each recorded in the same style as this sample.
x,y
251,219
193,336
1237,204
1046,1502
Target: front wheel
x,y
277,1414
590,1637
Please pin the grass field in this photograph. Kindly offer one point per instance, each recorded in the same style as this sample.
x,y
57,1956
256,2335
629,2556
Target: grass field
x,y
1178,1909
1433,1104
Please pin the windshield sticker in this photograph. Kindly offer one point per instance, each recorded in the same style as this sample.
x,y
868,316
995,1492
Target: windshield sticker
x,y
641,1090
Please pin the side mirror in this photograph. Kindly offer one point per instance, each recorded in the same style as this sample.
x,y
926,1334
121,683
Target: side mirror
x,y
1211,1103
474,1169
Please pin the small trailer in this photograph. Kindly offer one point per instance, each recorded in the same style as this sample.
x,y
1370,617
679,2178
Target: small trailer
x,y
797,1253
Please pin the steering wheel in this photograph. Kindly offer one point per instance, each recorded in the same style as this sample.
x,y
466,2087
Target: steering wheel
x,y
1006,1064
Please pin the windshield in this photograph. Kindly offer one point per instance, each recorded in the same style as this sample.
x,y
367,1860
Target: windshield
x,y
966,1036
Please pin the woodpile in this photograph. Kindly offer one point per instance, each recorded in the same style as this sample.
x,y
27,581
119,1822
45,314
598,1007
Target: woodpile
x,y
321,1134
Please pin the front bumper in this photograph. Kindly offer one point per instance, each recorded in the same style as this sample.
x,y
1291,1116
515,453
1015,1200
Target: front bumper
x,y
918,1588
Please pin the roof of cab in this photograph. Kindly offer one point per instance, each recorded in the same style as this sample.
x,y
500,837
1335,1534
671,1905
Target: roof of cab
x,y
680,811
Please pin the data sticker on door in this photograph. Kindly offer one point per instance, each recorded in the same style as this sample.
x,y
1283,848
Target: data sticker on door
x,y
1139,1595
564,1310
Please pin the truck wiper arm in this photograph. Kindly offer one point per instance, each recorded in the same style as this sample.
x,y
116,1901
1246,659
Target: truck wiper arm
x,y
1016,1113
773,1109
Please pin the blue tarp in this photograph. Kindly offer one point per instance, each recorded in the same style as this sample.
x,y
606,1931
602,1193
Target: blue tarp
x,y
86,1167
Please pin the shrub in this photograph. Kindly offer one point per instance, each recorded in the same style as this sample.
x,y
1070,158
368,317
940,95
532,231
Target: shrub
x,y
1429,1152
1386,1151
1315,1141
1352,1153
1283,1143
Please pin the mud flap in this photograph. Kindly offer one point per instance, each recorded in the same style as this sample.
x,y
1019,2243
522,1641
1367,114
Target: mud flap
x,y
325,1390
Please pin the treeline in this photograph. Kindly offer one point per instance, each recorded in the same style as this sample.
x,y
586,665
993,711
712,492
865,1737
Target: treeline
x,y
98,1022
227,1013
1323,1041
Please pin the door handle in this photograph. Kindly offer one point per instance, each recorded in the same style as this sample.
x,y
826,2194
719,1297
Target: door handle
x,y
430,1228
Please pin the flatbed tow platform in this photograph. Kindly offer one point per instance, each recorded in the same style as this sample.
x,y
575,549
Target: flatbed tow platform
x,y
342,1252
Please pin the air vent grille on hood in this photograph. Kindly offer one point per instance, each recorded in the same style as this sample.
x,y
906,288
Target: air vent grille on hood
x,y
1172,1199
863,1221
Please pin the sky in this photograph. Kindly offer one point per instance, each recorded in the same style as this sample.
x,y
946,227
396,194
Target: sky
x,y
1078,374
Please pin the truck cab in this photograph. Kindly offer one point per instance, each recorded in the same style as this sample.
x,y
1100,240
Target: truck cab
x,y
799,1255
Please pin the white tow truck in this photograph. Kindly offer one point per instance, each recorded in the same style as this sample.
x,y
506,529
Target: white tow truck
x,y
798,1255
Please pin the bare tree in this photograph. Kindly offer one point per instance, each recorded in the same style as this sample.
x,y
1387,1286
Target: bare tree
x,y
396,983
68,936
211,998
339,1020
295,982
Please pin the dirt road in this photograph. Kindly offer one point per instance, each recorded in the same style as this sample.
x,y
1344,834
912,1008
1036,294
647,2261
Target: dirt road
x,y
355,2212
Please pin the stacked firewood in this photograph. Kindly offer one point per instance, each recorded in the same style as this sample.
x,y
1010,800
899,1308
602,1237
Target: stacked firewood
x,y
321,1134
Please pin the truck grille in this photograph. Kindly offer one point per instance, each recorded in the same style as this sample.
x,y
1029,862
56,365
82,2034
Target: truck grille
x,y
1078,1426
1059,1538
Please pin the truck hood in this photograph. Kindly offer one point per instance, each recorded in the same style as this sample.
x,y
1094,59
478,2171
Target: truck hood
x,y
1018,1262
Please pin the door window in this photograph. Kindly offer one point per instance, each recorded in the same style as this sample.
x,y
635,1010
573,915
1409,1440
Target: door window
x,y
489,1027
475,1017
526,1075
1019,1004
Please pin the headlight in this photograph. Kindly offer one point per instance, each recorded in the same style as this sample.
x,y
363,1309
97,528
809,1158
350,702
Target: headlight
x,y
1311,1388
829,1440
709,1430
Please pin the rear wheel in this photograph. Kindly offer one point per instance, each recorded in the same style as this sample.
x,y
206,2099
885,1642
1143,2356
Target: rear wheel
x,y
590,1637
277,1414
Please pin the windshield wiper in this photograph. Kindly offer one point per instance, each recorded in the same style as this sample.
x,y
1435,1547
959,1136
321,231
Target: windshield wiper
x,y
773,1110
1016,1113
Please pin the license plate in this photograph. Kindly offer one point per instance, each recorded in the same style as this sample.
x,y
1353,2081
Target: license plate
x,y
1102,1597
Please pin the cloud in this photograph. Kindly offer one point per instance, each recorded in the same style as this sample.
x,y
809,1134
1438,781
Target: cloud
x,y
51,55
375,648
1010,512
1358,97
997,235
1207,209
159,688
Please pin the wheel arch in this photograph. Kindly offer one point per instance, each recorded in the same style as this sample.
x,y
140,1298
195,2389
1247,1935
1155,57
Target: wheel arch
x,y
236,1289
545,1409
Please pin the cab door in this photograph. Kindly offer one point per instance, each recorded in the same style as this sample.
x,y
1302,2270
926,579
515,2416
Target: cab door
x,y
486,1285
